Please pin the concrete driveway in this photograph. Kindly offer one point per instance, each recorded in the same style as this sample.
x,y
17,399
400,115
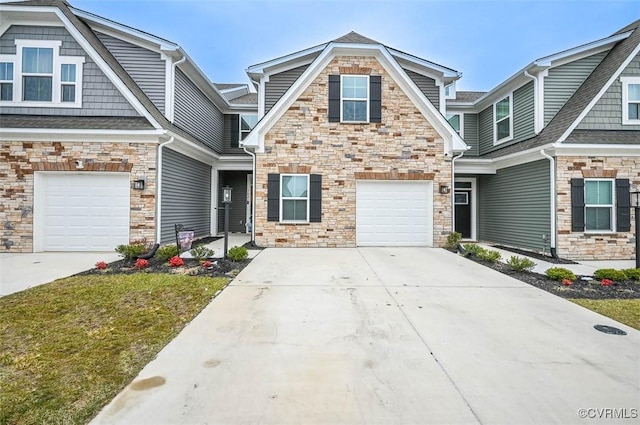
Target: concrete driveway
x,y
385,336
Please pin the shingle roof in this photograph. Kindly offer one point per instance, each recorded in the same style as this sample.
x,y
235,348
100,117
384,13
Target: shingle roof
x,y
74,122
354,37
246,99
577,103
604,137
226,86
466,96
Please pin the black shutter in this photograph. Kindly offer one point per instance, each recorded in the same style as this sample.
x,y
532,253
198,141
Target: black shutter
x,y
577,205
623,206
315,198
235,130
334,98
273,197
375,98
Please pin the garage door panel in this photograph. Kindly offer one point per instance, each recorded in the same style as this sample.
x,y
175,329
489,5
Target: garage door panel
x,y
84,212
394,213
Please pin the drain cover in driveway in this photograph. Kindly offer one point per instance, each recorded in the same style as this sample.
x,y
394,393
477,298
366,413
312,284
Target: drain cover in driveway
x,y
610,330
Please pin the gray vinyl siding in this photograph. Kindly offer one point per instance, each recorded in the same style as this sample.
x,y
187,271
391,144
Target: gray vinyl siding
x,y
523,113
238,208
485,130
186,195
514,205
427,86
99,96
196,114
606,114
278,85
563,81
145,67
471,133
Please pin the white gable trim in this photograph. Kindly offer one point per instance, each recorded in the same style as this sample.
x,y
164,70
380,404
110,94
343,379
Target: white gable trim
x,y
602,91
453,142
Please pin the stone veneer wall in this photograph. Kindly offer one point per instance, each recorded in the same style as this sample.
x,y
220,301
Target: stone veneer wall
x,y
19,161
403,146
593,246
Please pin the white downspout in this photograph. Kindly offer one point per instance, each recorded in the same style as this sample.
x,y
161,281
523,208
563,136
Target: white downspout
x,y
536,119
552,173
174,65
159,188
253,195
453,191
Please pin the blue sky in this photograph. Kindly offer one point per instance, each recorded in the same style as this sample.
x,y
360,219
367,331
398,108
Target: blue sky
x,y
487,41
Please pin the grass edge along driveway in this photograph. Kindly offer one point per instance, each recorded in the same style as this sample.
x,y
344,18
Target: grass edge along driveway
x,y
68,347
623,311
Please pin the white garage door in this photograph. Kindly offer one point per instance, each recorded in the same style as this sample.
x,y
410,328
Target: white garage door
x,y
394,213
82,212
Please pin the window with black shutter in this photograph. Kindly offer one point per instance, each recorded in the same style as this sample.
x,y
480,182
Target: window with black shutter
x,y
355,98
294,198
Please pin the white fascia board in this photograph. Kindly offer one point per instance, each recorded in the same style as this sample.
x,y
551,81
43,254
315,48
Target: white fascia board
x,y
424,65
234,109
581,51
522,157
132,32
255,139
229,162
260,69
192,149
80,135
466,165
597,97
576,149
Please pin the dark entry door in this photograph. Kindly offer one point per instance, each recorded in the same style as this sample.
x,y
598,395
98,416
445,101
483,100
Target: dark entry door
x,y
463,213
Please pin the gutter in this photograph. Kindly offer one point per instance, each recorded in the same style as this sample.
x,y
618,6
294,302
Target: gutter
x,y
552,174
253,194
453,192
159,187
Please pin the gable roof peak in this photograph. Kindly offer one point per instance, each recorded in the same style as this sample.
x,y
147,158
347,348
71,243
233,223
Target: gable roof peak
x,y
632,26
354,37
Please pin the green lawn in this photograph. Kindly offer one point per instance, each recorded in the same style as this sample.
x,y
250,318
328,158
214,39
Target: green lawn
x,y
68,347
624,311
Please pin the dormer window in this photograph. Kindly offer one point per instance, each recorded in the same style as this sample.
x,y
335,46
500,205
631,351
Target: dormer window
x,y
38,76
630,100
503,120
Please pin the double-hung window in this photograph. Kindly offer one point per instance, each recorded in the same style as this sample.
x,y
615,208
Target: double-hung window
x,y
599,205
6,81
503,120
38,76
247,122
294,197
630,100
355,98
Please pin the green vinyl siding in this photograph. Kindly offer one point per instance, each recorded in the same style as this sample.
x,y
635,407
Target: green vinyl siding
x,y
485,130
471,133
523,113
563,81
514,206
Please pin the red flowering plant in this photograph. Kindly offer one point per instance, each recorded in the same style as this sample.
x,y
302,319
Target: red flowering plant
x,y
176,261
101,265
606,282
567,282
206,264
141,263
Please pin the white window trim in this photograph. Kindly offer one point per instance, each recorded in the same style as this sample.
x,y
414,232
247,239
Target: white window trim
x,y
452,91
58,60
461,115
11,81
342,99
612,207
308,176
495,122
240,139
625,99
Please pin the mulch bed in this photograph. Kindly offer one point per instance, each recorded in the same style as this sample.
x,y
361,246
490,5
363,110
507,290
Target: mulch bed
x,y
547,258
579,289
191,267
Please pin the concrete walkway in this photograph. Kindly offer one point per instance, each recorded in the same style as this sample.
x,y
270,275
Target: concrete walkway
x,y
383,336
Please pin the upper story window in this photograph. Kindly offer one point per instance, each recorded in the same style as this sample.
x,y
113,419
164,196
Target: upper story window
x,y
247,122
355,98
450,91
598,205
630,100
37,76
503,120
456,122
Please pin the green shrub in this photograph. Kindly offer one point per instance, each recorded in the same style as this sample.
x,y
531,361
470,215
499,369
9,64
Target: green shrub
x,y
633,274
520,264
132,250
473,248
201,252
453,239
238,253
489,255
612,274
559,273
165,252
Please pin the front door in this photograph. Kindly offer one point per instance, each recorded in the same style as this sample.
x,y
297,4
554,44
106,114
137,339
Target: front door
x,y
462,202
